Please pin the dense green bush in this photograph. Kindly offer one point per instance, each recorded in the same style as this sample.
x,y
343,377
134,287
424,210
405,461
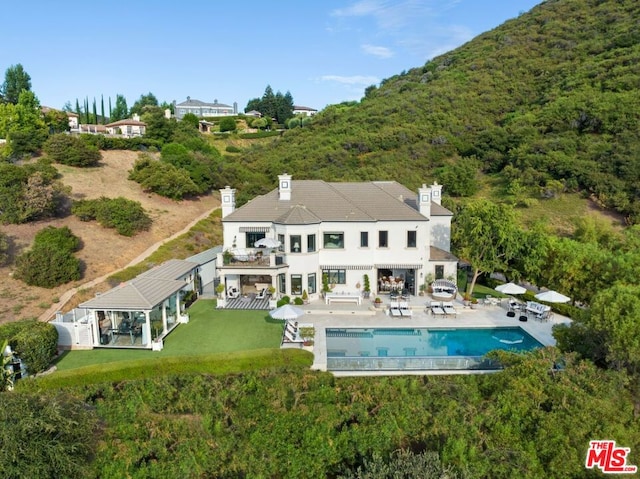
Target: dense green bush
x,y
126,216
227,124
60,238
47,266
46,436
71,150
50,261
32,341
163,179
29,192
233,149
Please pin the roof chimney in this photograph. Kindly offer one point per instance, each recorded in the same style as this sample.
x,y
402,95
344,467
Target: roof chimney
x,y
228,199
424,200
284,187
436,192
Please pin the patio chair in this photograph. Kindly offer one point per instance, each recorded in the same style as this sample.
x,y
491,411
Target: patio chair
x,y
233,292
449,308
262,294
405,310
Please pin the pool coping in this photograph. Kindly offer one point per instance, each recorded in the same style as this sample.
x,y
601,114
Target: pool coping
x,y
482,317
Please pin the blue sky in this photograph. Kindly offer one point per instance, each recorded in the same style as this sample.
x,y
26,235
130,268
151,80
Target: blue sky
x,y
323,52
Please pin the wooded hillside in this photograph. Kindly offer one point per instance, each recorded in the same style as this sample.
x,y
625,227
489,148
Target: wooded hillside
x,y
549,100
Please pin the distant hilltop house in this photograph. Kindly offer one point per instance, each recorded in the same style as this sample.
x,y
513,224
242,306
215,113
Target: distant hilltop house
x,y
202,109
128,128
304,110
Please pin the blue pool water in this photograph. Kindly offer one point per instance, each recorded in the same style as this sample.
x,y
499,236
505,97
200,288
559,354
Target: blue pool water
x,y
420,348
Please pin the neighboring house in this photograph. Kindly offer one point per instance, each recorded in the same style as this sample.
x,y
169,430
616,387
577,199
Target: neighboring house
x,y
127,128
304,110
340,231
74,118
92,129
254,113
202,109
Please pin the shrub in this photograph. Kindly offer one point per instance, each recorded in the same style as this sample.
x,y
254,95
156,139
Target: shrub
x,y
71,150
284,300
4,248
227,124
233,149
298,301
60,238
32,341
164,178
126,216
47,266
46,435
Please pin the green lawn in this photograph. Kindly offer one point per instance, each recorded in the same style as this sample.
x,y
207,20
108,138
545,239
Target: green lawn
x,y
209,331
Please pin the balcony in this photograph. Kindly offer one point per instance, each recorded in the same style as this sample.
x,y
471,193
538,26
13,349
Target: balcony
x,y
250,258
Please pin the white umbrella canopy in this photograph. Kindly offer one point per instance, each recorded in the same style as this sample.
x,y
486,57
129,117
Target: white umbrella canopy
x,y
552,297
267,243
286,312
510,288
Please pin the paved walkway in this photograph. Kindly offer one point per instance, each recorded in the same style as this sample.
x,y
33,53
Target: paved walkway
x,y
66,296
323,316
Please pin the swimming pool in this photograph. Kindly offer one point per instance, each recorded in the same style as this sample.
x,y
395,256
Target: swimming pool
x,y
421,348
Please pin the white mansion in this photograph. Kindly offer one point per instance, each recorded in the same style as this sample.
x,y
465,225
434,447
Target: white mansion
x,y
338,231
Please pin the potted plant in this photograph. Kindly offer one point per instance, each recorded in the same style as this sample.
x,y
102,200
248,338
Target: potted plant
x,y
428,279
367,286
305,297
227,256
474,303
220,289
307,333
423,288
325,285
377,302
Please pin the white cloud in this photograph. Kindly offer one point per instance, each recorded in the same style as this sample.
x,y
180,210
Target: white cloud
x,y
351,80
380,52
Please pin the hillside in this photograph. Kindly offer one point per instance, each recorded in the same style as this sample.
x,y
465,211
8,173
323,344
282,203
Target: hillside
x,y
546,102
103,250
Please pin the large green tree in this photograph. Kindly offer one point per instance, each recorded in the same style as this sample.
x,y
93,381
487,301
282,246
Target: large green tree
x,y
15,81
22,125
487,236
120,110
273,105
141,104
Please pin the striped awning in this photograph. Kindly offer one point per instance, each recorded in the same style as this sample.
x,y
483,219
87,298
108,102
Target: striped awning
x,y
255,229
399,266
346,266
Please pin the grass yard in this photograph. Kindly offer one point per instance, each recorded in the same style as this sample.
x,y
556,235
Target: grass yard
x,y
209,331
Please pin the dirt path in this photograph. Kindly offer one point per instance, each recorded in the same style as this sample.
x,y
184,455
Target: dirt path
x,y
66,296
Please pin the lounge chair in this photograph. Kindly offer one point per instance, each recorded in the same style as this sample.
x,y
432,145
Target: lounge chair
x,y
394,309
437,309
233,293
449,308
405,310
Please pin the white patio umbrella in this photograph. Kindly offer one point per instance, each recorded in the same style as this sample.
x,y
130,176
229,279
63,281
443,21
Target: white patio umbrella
x,y
286,312
552,297
267,243
510,288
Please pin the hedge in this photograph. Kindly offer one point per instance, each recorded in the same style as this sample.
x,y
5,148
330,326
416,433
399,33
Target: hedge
x,y
34,342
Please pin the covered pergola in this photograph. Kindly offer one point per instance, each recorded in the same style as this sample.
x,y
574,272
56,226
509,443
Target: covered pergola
x,y
140,312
